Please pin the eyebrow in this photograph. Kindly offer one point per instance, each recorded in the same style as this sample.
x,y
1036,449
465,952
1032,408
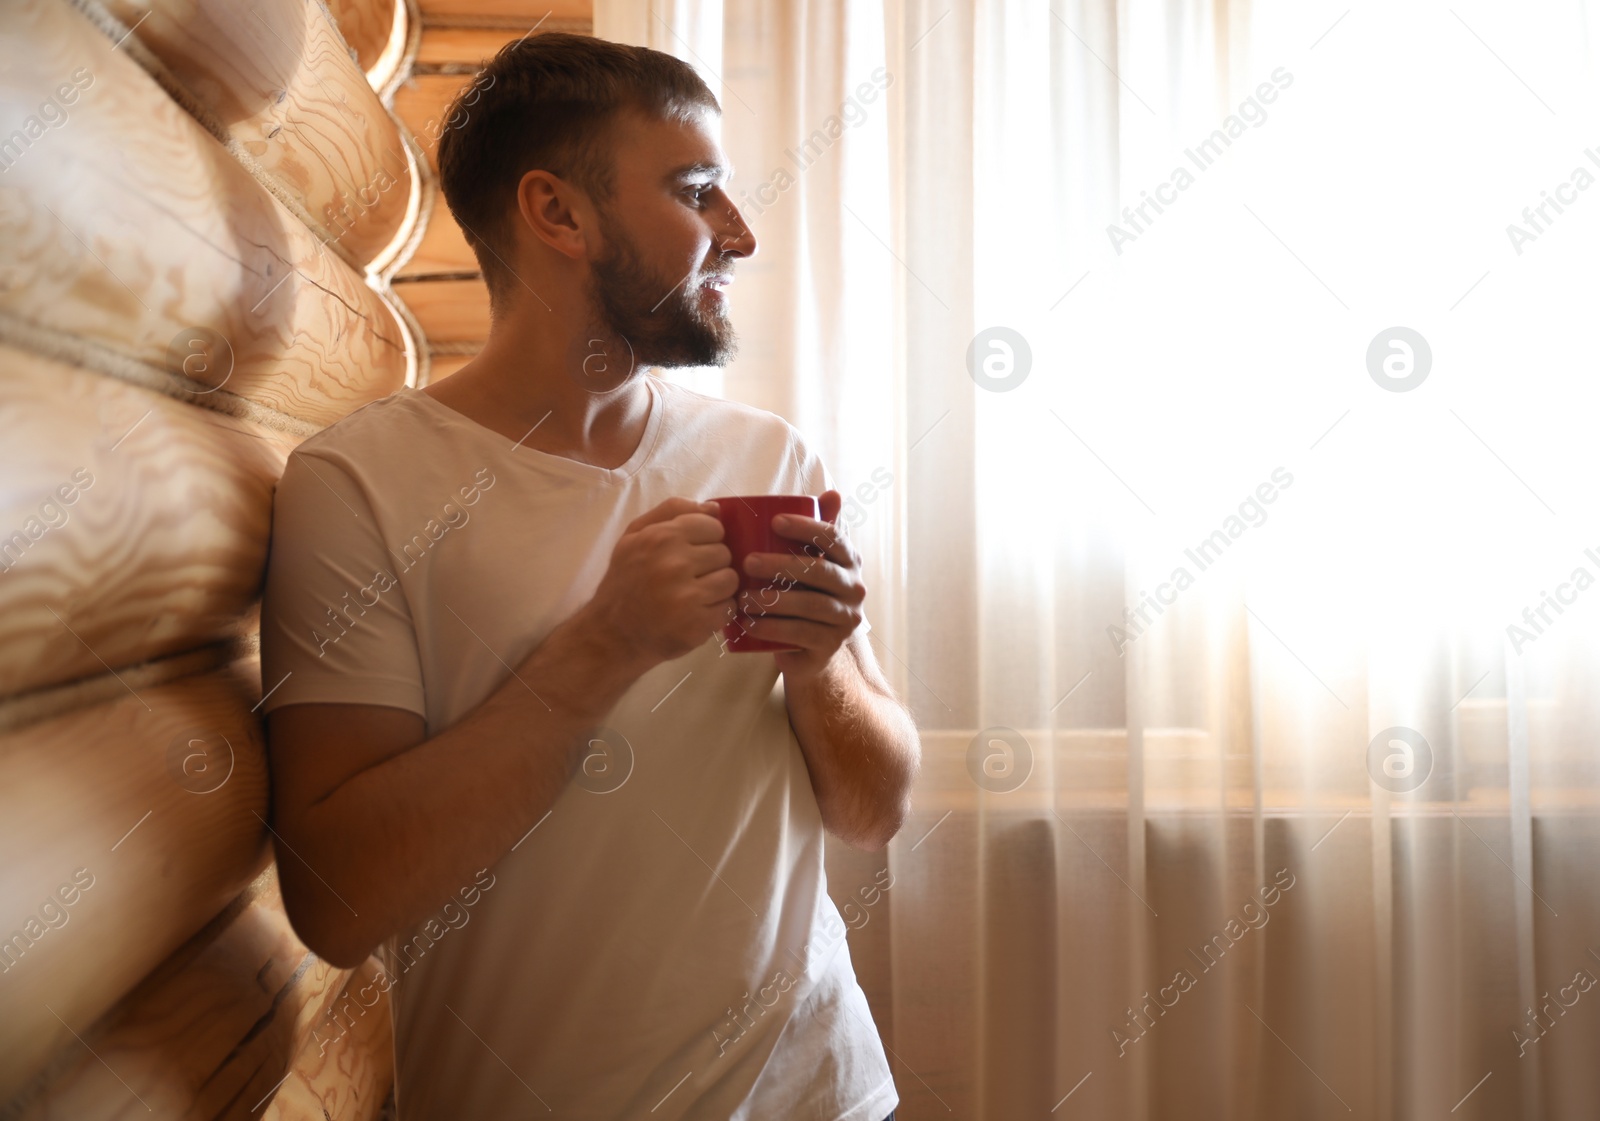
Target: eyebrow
x,y
701,170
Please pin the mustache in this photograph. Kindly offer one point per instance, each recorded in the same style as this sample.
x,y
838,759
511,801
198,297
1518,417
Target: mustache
x,y
713,274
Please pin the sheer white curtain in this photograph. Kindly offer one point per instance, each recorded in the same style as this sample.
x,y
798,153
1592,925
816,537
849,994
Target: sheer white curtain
x,y
1215,388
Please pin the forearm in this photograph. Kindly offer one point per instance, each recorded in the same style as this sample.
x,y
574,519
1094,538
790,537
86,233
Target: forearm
x,y
394,842
861,747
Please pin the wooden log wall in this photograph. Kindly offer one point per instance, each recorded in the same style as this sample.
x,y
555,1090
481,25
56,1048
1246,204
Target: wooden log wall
x,y
105,561
276,78
139,819
219,232
377,35
131,229
347,1062
202,206
440,282
216,1029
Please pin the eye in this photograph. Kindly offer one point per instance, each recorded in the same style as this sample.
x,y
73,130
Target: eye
x,y
698,193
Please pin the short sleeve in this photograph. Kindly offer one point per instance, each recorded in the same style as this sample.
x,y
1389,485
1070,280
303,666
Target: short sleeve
x,y
816,479
336,626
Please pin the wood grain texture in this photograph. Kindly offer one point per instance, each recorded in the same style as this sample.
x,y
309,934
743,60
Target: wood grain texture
x,y
131,525
212,1031
344,1071
277,76
153,808
423,102
454,311
462,46
133,245
470,47
512,11
369,27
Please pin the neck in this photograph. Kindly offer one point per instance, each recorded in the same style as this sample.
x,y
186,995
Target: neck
x,y
519,386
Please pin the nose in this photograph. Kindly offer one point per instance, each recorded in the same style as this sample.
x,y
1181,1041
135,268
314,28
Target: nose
x,y
734,238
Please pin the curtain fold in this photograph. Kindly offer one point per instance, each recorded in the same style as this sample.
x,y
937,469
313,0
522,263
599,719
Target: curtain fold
x,y
1253,668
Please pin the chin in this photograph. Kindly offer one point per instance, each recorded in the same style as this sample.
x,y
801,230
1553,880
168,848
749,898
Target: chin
x,y
707,344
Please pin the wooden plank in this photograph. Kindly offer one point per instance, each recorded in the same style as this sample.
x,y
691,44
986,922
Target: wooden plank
x,y
450,311
346,1076
370,27
509,11
423,101
473,46
443,248
130,227
277,76
131,525
462,46
212,1031
127,827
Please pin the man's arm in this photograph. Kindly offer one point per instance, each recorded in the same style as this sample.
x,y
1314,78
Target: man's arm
x,y
860,745
376,825
859,742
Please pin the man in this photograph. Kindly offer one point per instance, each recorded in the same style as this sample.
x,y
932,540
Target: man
x,y
506,738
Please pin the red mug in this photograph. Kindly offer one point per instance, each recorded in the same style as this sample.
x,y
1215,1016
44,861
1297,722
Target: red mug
x,y
747,528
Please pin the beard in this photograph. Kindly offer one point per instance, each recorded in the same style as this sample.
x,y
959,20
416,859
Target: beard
x,y
649,317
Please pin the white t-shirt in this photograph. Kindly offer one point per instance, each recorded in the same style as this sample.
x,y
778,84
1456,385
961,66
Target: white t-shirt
x,y
662,947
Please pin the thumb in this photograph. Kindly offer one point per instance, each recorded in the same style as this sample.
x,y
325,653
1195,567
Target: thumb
x,y
831,503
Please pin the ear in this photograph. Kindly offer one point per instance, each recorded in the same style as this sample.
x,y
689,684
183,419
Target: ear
x,y
547,207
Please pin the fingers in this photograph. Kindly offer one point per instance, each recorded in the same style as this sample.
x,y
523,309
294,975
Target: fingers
x,y
672,508
700,528
802,604
709,558
804,633
781,570
829,539
716,587
692,528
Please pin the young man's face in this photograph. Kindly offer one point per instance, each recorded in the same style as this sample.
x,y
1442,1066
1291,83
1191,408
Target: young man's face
x,y
671,236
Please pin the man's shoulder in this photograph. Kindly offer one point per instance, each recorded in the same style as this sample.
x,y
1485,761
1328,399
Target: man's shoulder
x,y
369,452
369,430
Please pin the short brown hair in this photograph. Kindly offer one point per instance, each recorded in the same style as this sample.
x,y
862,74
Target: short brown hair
x,y
546,102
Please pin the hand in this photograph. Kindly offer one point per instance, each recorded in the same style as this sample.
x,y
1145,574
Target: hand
x,y
813,602
670,583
